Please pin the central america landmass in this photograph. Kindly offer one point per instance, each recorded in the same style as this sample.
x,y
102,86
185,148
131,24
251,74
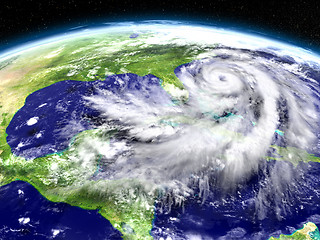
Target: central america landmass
x,y
134,217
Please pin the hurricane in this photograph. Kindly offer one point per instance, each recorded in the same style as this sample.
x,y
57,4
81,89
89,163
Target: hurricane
x,y
233,108
160,130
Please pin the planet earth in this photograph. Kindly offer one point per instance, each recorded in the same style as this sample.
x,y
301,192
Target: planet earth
x,y
159,130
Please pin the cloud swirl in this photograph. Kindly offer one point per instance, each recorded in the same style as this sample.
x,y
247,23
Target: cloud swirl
x,y
239,103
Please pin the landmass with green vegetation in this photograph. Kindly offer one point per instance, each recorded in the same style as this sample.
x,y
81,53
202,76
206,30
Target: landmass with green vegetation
x,y
308,232
68,176
292,154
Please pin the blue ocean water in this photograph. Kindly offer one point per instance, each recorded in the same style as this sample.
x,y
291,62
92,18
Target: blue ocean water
x,y
43,125
235,215
41,219
235,219
228,215
51,109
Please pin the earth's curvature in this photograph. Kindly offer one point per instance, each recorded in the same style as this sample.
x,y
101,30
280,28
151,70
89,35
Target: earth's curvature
x,y
159,130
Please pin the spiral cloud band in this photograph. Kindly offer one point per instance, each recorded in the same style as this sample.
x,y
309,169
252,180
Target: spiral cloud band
x,y
239,104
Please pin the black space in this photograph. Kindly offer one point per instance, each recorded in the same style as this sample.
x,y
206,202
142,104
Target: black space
x,y
22,20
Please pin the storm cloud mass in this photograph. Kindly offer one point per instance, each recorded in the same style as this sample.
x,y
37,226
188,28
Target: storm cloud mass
x,y
236,105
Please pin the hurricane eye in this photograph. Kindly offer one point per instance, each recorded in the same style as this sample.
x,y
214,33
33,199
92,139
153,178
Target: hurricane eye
x,y
168,131
222,78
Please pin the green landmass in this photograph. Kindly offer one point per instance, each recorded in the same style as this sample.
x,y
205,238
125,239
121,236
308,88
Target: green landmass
x,y
62,177
86,59
292,154
67,176
309,232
